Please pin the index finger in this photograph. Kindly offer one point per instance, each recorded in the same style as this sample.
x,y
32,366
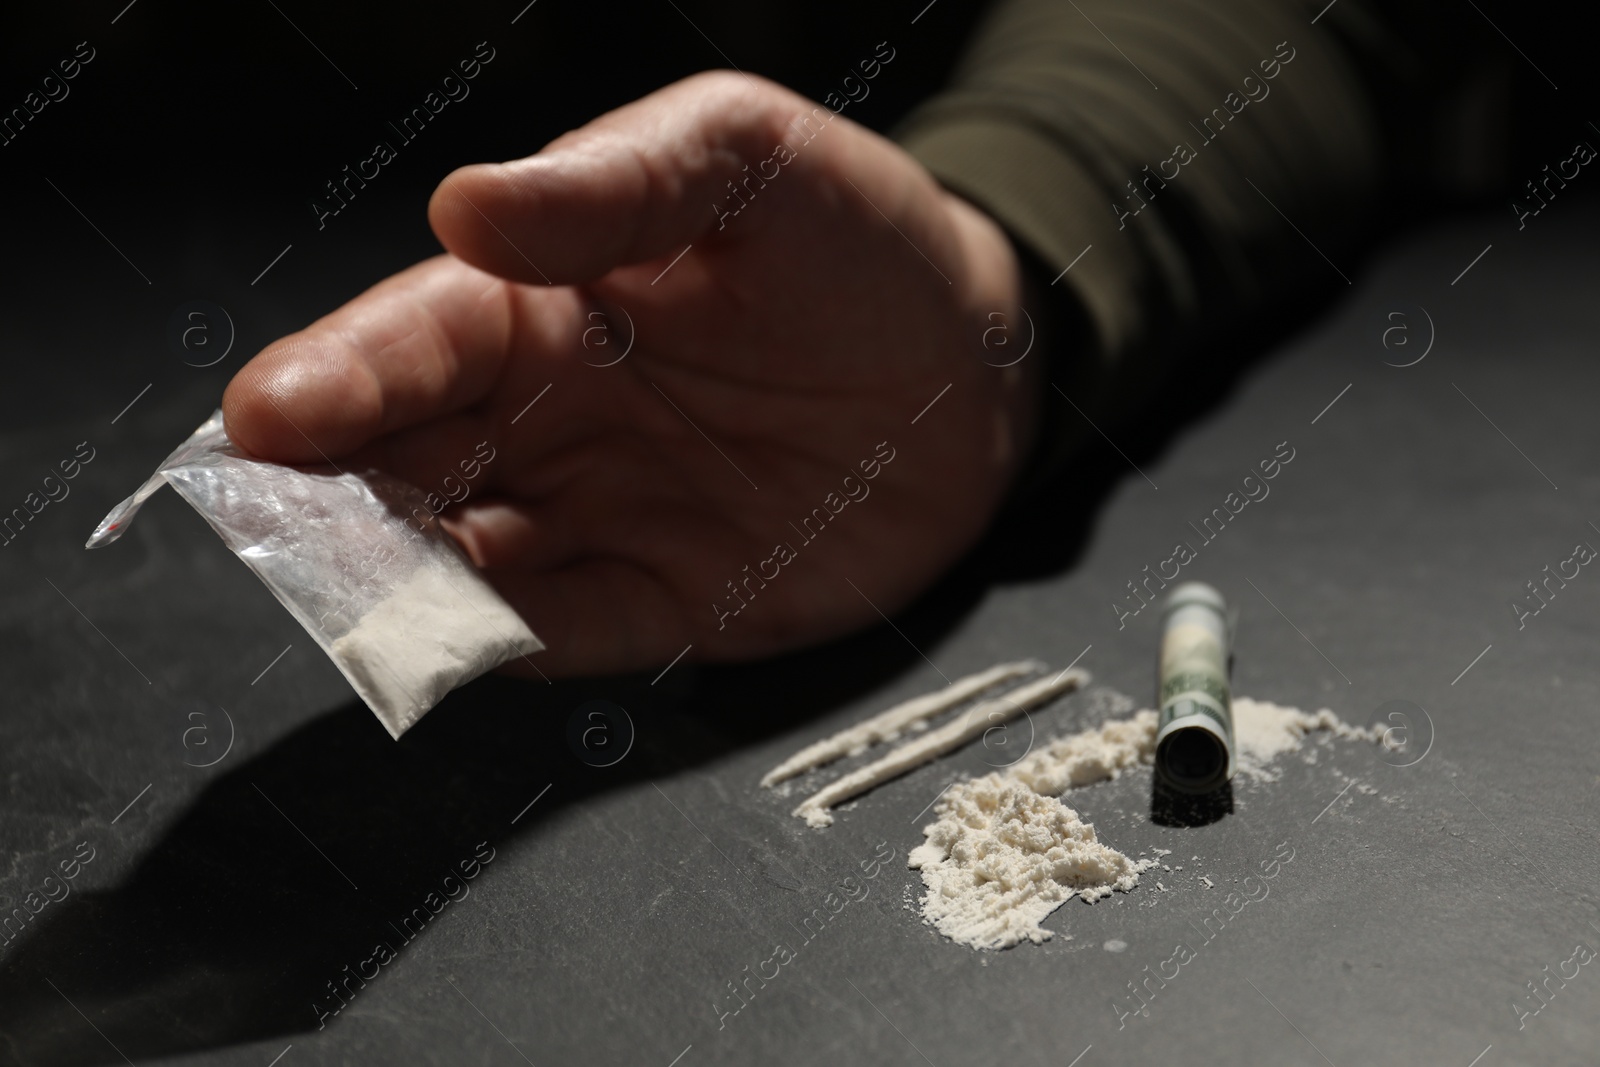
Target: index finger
x,y
419,345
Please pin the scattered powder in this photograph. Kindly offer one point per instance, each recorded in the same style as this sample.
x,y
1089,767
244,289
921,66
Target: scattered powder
x,y
1004,852
888,725
1208,883
1262,731
1104,702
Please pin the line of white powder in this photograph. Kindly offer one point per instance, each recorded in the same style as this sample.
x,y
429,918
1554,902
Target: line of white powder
x,y
935,743
888,725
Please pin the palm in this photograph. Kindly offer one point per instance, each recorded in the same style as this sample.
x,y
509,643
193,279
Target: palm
x,y
777,357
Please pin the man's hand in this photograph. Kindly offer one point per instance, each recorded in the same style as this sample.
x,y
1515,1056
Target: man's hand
x,y
796,334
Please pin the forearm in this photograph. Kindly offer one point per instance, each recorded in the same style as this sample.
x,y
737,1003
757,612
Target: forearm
x,y
1169,165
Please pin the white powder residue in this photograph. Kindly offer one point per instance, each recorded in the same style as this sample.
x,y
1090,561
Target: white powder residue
x,y
1105,702
432,633
1085,758
1263,731
1004,852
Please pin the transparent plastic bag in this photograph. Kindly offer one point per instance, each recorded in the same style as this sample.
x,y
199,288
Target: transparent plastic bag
x,y
359,559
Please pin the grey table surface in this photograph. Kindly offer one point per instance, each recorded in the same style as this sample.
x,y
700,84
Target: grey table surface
x,y
622,901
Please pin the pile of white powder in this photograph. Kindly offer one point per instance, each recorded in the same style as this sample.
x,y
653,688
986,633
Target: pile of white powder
x,y
1004,852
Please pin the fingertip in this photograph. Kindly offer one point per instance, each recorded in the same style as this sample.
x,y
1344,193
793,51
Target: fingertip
x,y
302,401
450,209
247,414
481,214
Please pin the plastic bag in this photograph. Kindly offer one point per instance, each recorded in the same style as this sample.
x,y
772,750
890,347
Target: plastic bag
x,y
358,559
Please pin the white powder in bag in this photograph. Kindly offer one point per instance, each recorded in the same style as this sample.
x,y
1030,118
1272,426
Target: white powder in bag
x,y
432,633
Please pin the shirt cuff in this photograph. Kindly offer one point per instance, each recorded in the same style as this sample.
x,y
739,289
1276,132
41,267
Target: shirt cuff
x,y
1046,199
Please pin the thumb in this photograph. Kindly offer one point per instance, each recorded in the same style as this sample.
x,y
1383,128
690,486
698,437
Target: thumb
x,y
634,185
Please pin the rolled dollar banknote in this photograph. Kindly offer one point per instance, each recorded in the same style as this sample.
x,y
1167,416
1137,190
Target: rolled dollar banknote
x,y
1194,735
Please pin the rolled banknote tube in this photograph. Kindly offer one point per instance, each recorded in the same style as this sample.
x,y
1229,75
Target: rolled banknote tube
x,y
1194,734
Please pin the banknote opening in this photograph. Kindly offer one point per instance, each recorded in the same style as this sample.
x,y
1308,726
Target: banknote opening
x,y
1193,760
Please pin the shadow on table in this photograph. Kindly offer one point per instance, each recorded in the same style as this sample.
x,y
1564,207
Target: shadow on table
x,y
1171,808
289,868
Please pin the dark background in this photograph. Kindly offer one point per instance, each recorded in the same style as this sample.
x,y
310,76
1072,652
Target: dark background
x,y
198,136
621,902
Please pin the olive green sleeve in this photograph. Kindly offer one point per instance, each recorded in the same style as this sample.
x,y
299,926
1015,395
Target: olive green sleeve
x,y
1188,162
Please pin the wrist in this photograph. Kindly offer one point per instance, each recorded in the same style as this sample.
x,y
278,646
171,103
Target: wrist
x,y
1062,358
